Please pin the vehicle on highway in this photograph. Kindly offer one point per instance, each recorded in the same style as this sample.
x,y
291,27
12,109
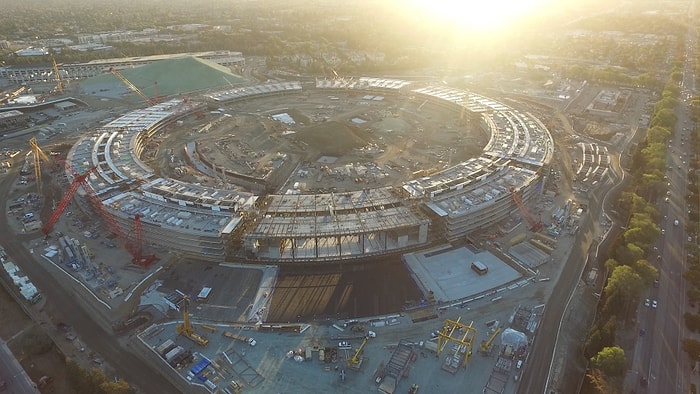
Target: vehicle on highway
x,y
654,304
675,222
646,302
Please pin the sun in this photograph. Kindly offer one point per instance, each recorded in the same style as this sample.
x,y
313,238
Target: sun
x,y
477,15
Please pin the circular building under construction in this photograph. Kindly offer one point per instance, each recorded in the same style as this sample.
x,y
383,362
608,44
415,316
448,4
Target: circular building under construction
x,y
259,213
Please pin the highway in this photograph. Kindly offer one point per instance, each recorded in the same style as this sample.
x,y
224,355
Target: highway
x,y
662,357
663,362
535,377
61,301
12,376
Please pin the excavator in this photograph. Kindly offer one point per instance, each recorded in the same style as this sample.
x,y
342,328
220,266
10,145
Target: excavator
x,y
186,327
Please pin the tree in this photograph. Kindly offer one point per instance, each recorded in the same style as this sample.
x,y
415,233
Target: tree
x,y
692,321
599,381
629,253
623,289
664,118
692,347
646,271
94,381
658,134
611,361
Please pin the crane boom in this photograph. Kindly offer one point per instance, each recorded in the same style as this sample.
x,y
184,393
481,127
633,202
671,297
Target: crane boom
x,y
57,76
13,94
487,345
79,180
535,225
131,86
137,246
356,357
186,327
39,155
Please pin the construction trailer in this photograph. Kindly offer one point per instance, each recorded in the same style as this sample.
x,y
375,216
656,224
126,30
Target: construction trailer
x,y
240,338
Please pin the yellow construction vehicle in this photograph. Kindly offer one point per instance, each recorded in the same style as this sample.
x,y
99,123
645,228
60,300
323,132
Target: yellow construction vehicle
x,y
39,156
487,345
356,361
208,328
186,327
133,87
12,94
57,77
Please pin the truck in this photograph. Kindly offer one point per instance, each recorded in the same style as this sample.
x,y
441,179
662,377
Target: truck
x,y
239,337
165,347
430,346
388,385
173,353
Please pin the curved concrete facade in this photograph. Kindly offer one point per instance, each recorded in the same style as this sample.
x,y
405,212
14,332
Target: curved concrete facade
x,y
218,224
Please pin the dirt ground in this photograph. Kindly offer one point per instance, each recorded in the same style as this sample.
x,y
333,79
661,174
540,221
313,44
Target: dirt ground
x,y
51,363
398,136
345,295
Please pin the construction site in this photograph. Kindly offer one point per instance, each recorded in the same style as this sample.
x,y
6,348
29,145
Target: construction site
x,y
299,196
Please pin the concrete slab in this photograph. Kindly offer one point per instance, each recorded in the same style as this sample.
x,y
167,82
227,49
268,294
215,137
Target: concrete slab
x,y
446,271
220,306
528,254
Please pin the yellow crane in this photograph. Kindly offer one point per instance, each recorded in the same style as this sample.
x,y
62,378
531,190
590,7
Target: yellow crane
x,y
39,156
186,327
487,345
356,361
132,86
13,94
57,77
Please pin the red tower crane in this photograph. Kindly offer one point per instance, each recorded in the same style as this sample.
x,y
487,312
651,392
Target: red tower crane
x,y
77,181
192,109
134,247
535,225
137,246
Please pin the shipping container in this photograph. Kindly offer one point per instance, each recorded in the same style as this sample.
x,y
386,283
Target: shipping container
x,y
174,352
165,347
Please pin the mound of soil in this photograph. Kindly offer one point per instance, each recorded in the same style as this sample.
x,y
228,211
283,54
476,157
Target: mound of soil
x,y
333,138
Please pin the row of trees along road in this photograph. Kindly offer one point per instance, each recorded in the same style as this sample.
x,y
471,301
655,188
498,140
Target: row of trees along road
x,y
630,273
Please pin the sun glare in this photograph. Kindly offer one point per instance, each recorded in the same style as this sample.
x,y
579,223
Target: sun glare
x,y
478,15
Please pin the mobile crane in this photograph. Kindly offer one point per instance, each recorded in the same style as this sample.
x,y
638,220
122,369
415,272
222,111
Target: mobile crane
x,y
57,76
133,87
80,180
136,246
39,156
356,361
487,345
13,94
535,225
186,327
